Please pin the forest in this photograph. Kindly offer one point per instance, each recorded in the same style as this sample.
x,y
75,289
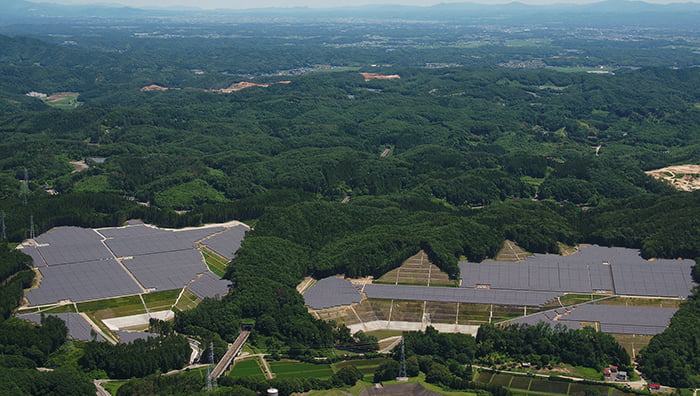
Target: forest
x,y
487,135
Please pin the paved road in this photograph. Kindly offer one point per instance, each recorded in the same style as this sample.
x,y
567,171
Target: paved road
x,y
230,354
100,391
395,340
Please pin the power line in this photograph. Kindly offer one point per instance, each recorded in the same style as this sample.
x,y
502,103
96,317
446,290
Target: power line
x,y
25,187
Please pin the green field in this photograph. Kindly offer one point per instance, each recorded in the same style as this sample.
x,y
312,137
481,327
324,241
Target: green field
x,y
290,369
187,301
247,368
113,307
520,384
643,302
128,305
216,263
365,366
160,301
571,298
65,100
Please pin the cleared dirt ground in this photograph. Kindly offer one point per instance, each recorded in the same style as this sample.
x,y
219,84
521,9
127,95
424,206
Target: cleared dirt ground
x,y
682,177
375,76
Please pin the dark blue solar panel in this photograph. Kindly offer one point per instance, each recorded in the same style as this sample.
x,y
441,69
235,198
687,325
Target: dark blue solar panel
x,y
209,285
330,292
78,328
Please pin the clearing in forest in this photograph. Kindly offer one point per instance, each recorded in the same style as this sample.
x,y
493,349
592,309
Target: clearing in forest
x,y
63,100
375,76
681,177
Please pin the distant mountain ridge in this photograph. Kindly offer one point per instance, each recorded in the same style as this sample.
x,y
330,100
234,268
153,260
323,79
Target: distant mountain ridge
x,y
516,12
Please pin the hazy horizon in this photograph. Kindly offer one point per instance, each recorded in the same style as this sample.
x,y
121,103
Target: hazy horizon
x,y
248,4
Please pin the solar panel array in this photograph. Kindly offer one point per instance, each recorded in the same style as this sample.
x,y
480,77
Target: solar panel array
x,y
331,292
92,280
209,285
620,314
593,268
81,264
147,244
226,243
65,245
168,270
546,317
612,318
666,278
78,327
459,294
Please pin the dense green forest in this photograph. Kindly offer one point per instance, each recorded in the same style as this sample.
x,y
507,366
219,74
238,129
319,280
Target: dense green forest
x,y
488,134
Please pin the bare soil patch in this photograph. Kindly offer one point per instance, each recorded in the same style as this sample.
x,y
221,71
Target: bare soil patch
x,y
78,166
235,87
681,177
240,86
154,87
376,76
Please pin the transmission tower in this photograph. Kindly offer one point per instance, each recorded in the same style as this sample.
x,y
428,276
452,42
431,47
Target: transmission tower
x,y
3,235
211,382
25,187
402,371
31,227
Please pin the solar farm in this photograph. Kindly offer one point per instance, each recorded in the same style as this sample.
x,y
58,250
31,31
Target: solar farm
x,y
96,270
610,288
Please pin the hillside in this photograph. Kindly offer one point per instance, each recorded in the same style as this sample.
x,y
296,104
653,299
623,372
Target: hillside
x,y
349,146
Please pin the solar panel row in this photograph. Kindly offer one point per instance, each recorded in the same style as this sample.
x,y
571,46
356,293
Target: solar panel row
x,y
168,270
612,318
331,292
458,294
619,314
81,282
209,285
226,243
